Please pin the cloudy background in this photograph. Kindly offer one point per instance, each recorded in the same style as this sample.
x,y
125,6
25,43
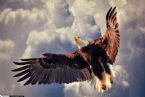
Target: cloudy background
x,y
29,28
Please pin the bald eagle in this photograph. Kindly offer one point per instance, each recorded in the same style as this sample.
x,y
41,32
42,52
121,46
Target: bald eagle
x,y
95,82
88,62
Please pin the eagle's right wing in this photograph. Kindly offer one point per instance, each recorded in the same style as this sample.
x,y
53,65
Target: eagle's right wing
x,y
53,68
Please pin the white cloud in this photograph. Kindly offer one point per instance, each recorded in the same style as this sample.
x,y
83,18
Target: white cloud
x,y
35,39
83,89
6,89
83,7
86,27
10,16
59,13
121,74
142,29
120,3
6,49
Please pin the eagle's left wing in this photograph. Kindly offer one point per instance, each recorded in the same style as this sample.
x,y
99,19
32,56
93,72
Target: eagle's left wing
x,y
111,38
53,68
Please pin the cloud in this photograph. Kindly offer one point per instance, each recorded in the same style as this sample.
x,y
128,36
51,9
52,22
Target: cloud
x,y
56,41
6,89
10,16
83,89
16,4
82,8
86,27
35,39
120,3
6,49
132,47
32,27
59,12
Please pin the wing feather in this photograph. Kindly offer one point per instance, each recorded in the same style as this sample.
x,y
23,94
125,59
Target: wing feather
x,y
21,68
52,68
24,77
22,73
111,38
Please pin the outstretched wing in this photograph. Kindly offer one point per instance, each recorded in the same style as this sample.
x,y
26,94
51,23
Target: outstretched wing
x,y
53,68
111,37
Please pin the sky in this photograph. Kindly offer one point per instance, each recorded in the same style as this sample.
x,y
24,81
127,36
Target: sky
x,y
29,28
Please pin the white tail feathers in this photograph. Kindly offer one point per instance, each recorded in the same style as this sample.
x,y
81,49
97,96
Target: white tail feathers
x,y
108,81
112,70
105,83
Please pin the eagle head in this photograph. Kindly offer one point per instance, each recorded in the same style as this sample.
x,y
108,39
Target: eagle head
x,y
79,42
76,39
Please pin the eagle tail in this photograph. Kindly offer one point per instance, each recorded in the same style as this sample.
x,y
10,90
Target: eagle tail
x,y
104,84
